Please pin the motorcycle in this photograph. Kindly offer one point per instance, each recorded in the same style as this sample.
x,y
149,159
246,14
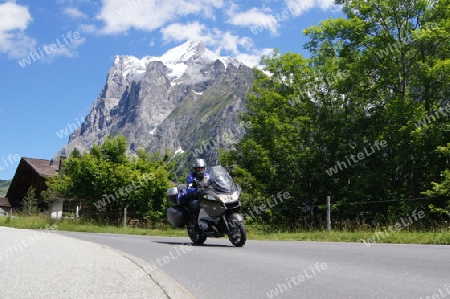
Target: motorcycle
x,y
215,211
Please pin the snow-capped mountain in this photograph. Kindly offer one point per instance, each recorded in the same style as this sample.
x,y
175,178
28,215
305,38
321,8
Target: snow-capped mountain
x,y
183,101
177,61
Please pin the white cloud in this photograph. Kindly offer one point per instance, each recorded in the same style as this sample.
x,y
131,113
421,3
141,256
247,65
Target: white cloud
x,y
182,32
298,7
15,19
230,42
14,16
74,13
166,15
252,59
71,1
256,19
181,20
66,50
88,28
216,39
150,15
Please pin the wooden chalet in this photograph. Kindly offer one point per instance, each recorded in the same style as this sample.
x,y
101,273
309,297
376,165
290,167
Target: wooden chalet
x,y
33,173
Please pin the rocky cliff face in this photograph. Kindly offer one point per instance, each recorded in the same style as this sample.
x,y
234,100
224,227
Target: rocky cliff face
x,y
186,101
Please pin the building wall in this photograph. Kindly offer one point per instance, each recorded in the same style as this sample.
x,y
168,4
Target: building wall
x,y
55,209
24,178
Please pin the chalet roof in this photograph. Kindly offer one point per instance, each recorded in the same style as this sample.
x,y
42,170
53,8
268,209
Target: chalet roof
x,y
4,202
45,168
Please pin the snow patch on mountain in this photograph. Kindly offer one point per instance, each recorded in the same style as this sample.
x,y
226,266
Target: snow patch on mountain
x,y
179,151
131,65
177,61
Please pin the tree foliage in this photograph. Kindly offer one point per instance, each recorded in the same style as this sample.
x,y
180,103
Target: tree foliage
x,y
30,203
379,74
441,189
106,180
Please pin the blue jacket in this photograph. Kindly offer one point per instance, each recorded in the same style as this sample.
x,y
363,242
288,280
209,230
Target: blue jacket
x,y
191,179
182,195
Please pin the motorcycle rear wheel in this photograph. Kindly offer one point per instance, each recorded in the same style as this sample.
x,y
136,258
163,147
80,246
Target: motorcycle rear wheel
x,y
238,235
197,237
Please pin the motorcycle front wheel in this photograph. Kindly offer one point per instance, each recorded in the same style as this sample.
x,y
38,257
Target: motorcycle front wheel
x,y
238,235
197,237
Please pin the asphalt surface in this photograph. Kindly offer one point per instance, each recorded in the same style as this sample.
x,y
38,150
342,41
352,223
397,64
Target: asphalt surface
x,y
265,269
54,264
44,264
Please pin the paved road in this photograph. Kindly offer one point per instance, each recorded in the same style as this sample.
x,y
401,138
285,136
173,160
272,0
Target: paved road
x,y
42,264
263,269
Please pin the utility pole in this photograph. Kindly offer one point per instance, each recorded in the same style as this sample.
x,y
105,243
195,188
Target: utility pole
x,y
328,214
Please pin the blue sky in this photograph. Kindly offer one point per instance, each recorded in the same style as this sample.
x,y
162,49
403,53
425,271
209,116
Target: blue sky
x,y
55,54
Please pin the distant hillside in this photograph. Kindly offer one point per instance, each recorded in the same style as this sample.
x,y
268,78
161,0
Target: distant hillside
x,y
4,185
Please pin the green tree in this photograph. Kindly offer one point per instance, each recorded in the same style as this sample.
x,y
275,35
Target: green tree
x,y
30,203
107,181
442,189
372,76
377,44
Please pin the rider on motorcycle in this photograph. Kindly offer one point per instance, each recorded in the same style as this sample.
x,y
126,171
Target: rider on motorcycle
x,y
208,205
199,177
195,180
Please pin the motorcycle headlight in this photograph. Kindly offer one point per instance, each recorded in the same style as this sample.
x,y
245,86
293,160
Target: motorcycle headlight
x,y
228,197
235,196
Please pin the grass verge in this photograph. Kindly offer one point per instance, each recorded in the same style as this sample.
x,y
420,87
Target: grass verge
x,y
38,222
401,237
439,237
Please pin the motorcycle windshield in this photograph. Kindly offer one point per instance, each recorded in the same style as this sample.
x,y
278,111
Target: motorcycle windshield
x,y
221,181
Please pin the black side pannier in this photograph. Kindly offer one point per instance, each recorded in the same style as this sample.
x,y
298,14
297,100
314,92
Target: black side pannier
x,y
172,195
177,216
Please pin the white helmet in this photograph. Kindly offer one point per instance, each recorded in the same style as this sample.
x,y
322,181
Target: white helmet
x,y
199,166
